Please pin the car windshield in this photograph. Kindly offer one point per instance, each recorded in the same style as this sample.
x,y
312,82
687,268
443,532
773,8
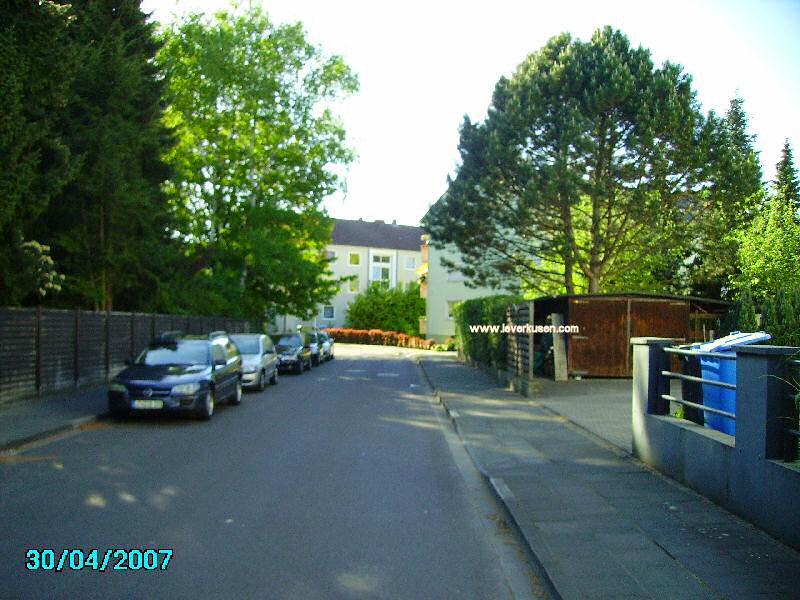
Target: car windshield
x,y
289,341
188,352
247,344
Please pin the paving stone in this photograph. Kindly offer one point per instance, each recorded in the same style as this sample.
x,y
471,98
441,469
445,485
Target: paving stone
x,y
601,524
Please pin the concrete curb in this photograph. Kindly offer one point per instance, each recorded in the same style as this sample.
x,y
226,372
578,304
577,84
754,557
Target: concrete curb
x,y
71,425
501,492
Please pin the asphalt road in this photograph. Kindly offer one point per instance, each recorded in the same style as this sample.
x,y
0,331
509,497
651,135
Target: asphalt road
x,y
344,482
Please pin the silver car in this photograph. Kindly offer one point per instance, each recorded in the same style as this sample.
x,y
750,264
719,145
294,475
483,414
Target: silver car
x,y
259,360
326,345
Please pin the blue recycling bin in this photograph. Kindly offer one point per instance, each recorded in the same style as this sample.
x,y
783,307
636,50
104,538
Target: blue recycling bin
x,y
720,369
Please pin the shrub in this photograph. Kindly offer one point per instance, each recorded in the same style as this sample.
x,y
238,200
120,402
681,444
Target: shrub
x,y
782,317
742,315
396,309
487,348
378,337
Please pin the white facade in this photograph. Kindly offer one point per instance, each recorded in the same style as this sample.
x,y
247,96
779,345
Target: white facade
x,y
364,264
442,290
387,265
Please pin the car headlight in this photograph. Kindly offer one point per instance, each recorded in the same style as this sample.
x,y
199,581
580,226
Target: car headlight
x,y
185,389
117,387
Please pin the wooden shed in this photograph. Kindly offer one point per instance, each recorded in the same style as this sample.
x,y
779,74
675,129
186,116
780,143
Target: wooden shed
x,y
607,322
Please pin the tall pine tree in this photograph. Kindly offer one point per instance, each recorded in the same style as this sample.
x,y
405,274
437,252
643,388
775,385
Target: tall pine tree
x,y
736,193
110,227
786,180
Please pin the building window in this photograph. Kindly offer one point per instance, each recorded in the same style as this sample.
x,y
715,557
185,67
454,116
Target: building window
x,y
411,263
353,285
355,259
450,305
382,270
328,312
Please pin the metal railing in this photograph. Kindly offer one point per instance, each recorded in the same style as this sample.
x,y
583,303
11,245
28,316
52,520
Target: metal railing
x,y
794,398
672,375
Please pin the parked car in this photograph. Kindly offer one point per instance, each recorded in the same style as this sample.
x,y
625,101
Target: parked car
x,y
294,351
326,345
316,348
180,373
259,360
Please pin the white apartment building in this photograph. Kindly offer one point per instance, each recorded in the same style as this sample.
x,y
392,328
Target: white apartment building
x,y
368,251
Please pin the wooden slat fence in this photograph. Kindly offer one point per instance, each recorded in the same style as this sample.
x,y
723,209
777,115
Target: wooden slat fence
x,y
44,350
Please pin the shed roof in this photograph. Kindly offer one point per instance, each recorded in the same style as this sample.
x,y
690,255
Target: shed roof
x,y
702,304
376,234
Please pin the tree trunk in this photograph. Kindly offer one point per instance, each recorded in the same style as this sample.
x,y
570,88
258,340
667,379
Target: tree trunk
x,y
569,284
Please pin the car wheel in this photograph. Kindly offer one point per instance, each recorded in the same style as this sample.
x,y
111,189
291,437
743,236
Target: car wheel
x,y
308,364
262,382
274,379
237,395
206,408
299,366
117,412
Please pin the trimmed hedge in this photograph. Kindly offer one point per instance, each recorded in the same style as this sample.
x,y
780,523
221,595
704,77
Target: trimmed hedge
x,y
378,337
486,348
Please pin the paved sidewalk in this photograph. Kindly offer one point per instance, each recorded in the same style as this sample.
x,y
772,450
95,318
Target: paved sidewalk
x,y
27,420
601,524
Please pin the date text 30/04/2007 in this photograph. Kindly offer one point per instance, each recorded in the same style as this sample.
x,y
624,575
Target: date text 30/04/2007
x,y
111,559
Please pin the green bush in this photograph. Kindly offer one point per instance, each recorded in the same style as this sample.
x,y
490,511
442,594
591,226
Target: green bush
x,y
781,317
396,309
487,348
742,315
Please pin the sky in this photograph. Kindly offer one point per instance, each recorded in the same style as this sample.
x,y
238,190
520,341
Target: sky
x,y
424,65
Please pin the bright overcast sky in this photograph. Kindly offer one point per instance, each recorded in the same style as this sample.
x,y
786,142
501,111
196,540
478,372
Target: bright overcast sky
x,y
424,65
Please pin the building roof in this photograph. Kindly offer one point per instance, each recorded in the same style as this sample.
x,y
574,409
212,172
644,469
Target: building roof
x,y
377,234
702,304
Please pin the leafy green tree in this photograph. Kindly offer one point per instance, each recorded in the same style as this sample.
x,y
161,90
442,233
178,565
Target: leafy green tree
x,y
37,61
588,159
257,153
389,309
786,180
110,227
769,251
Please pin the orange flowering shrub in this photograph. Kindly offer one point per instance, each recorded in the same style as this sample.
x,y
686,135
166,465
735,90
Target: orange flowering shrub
x,y
378,337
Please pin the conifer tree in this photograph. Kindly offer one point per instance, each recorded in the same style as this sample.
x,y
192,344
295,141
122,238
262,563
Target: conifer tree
x,y
786,181
110,227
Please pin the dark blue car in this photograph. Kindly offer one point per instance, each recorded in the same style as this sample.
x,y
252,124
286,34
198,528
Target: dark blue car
x,y
180,374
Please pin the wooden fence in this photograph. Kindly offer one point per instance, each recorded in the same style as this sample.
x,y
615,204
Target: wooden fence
x,y
44,350
519,356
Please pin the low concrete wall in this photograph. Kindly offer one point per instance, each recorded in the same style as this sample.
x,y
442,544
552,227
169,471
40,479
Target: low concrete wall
x,y
745,473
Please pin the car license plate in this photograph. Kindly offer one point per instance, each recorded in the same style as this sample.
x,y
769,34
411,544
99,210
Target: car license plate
x,y
147,404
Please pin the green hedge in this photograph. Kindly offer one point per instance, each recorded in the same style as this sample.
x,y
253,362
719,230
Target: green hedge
x,y
487,348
